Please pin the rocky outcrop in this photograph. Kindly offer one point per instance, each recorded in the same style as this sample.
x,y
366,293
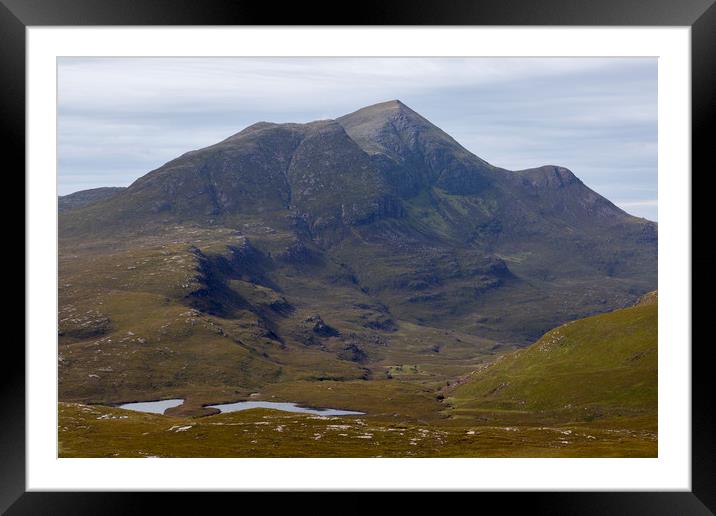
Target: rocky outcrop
x,y
354,353
320,328
650,298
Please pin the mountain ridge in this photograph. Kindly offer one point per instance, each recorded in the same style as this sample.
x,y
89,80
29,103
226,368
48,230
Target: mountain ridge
x,y
408,166
83,198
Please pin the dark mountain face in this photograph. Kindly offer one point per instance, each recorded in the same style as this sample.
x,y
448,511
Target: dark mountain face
x,y
396,212
413,154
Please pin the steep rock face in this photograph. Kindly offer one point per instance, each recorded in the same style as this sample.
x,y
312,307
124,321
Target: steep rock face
x,y
333,181
412,153
246,173
314,172
557,191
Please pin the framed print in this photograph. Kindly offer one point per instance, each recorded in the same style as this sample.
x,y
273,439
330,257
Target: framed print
x,y
422,249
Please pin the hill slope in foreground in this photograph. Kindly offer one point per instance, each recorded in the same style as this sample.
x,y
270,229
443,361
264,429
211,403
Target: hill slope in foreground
x,y
602,368
585,389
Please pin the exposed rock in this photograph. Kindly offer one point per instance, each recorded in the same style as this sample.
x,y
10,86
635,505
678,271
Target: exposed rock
x,y
354,353
84,326
650,298
320,328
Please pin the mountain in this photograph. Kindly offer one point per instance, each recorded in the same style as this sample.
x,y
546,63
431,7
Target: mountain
x,y
335,249
600,368
85,197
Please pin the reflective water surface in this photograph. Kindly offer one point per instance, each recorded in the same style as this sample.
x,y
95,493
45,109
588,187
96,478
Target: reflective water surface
x,y
286,407
153,407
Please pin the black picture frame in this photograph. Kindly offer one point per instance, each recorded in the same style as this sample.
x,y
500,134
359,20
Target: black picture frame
x,y
700,15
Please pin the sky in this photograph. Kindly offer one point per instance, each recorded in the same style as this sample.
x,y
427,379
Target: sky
x,y
119,118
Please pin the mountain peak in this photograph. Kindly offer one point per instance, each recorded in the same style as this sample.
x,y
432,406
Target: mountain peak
x,y
412,152
386,106
387,127
380,113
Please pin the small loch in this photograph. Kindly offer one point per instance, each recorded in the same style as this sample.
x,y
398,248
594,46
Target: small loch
x,y
153,407
284,406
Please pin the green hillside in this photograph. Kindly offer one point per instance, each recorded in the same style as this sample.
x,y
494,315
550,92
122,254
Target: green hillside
x,y
590,370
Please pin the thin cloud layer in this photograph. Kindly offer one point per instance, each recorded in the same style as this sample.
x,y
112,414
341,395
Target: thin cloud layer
x,y
122,117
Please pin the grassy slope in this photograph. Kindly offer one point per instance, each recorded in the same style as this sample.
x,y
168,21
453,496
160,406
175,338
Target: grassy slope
x,y
96,431
602,368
